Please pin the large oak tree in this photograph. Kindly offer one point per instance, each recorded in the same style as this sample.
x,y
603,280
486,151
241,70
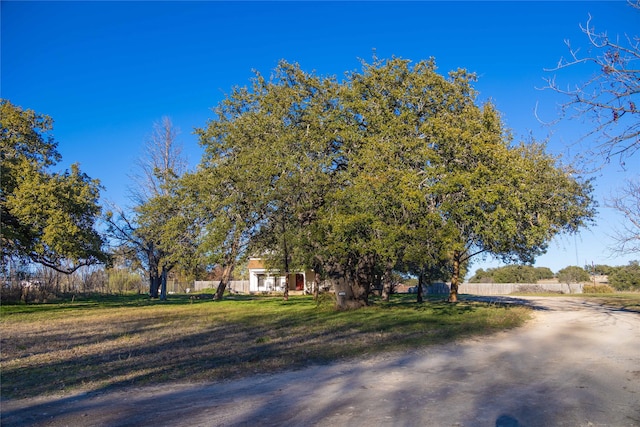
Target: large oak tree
x,y
47,217
395,166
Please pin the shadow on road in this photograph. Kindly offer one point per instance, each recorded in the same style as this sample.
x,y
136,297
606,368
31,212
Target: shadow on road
x,y
506,301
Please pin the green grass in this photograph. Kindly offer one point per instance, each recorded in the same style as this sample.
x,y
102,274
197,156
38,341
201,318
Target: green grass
x,y
105,341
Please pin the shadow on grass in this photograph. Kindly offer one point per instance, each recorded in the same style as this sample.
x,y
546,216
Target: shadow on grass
x,y
185,340
92,301
505,301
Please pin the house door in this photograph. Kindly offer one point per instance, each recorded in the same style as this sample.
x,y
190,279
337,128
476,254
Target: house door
x,y
299,282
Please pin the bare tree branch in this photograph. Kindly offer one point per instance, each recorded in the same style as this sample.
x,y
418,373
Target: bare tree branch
x,y
610,99
161,161
139,232
627,202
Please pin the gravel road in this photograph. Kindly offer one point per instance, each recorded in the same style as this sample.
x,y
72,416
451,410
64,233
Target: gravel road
x,y
577,363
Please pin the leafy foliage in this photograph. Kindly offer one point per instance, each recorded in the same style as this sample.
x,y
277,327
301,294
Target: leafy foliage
x,y
599,269
512,274
626,278
158,233
573,274
47,217
396,167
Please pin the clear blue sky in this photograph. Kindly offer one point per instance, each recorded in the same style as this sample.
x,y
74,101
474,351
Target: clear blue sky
x,y
106,71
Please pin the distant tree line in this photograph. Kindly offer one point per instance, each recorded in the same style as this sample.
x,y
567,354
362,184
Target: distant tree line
x,y
512,274
621,278
625,278
44,284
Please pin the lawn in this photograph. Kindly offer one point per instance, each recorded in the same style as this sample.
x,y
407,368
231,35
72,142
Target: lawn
x,y
90,343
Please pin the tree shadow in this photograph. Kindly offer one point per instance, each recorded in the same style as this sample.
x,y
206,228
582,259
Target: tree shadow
x,y
505,420
503,300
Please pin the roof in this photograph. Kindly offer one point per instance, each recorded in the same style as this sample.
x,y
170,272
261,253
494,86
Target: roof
x,y
255,263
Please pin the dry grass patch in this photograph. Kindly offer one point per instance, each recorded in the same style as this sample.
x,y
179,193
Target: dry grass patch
x,y
629,301
133,341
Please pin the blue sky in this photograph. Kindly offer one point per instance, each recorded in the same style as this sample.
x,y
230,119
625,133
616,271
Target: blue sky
x,y
106,71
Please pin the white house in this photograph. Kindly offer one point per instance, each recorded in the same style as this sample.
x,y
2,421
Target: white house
x,y
262,279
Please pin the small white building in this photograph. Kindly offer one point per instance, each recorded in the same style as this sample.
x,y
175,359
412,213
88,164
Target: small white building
x,y
262,279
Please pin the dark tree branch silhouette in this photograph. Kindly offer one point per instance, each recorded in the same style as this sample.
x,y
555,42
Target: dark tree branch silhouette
x,y
627,202
610,99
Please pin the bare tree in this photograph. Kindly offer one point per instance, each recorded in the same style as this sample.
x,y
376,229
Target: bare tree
x,y
136,232
627,202
610,99
161,161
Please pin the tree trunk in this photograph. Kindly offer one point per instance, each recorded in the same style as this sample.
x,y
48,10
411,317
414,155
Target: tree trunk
x,y
365,276
154,284
349,294
387,285
316,285
420,284
455,277
346,298
163,285
227,268
154,276
285,296
286,264
224,281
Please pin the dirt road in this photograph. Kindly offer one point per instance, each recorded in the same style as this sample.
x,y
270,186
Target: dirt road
x,y
576,364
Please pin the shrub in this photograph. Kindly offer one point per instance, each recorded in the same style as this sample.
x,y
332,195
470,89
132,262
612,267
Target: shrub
x,y
515,274
573,274
512,274
11,292
626,278
27,292
543,273
598,289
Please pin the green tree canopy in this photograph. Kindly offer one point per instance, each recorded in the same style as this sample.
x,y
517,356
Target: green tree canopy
x,y
512,274
544,273
396,166
573,274
47,217
599,269
626,278
271,159
158,233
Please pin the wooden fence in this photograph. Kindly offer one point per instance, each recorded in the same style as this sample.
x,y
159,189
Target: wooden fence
x,y
237,286
506,288
242,287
